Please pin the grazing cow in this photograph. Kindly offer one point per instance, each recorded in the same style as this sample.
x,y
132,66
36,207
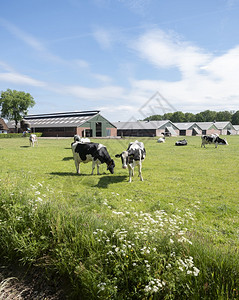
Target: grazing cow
x,y
161,140
181,143
77,138
97,153
132,157
213,139
33,140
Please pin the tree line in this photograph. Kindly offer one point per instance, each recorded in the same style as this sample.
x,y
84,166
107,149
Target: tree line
x,y
204,116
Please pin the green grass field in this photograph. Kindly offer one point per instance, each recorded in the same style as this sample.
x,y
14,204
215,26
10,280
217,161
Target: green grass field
x,y
47,210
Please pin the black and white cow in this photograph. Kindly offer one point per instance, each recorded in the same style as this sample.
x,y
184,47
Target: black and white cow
x,y
133,156
33,140
97,153
213,139
181,143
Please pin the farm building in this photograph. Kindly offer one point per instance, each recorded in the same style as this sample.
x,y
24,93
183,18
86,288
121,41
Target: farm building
x,y
225,128
3,126
236,128
221,128
67,124
188,129
208,127
145,128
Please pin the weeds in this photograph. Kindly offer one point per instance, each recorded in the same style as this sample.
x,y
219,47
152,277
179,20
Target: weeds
x,y
114,254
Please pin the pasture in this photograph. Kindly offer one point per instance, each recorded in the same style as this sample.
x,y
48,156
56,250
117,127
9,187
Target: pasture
x,y
186,208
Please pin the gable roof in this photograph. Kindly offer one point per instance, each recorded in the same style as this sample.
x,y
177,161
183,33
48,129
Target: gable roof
x,y
224,125
63,119
141,125
186,125
205,125
3,125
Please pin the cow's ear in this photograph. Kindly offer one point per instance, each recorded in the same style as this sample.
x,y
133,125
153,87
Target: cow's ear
x,y
118,155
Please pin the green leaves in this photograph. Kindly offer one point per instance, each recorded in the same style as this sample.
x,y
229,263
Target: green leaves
x,y
15,104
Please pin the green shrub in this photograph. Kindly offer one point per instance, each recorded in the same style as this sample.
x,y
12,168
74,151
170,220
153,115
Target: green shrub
x,y
17,135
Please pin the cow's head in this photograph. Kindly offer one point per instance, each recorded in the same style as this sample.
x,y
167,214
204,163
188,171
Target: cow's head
x,y
124,158
222,141
111,166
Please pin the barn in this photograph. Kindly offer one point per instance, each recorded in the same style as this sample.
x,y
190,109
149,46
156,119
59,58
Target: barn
x,y
145,128
225,128
208,128
3,126
67,124
188,129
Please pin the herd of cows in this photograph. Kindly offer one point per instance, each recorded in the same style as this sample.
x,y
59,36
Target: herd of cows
x,y
85,151
98,154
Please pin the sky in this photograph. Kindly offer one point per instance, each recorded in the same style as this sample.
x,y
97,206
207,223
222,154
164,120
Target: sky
x,y
127,58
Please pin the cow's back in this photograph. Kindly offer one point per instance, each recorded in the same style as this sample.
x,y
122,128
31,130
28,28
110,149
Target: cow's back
x,y
83,150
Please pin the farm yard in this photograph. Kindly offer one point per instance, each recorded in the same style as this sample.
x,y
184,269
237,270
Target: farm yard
x,y
173,236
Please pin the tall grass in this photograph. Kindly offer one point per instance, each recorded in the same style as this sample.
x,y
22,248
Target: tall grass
x,y
115,240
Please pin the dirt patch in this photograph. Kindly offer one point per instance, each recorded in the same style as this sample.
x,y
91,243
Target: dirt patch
x,y
27,284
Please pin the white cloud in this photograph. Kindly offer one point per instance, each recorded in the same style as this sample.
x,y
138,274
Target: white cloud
x,y
95,94
8,74
103,37
20,34
207,81
137,6
20,79
167,51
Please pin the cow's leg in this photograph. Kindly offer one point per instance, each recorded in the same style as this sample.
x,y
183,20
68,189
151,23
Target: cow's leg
x,y
77,164
140,172
216,145
131,172
93,166
98,169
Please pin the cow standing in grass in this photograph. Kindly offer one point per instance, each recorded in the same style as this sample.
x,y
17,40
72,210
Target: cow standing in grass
x,y
33,140
97,153
132,157
213,139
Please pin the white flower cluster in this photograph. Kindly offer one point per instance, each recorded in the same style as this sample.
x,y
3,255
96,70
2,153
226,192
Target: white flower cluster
x,y
154,286
187,265
138,249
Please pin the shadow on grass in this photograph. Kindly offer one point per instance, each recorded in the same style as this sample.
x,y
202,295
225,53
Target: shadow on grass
x,y
25,146
68,174
67,158
109,179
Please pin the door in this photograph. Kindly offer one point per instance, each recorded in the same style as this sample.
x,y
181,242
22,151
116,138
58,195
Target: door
x,y
98,129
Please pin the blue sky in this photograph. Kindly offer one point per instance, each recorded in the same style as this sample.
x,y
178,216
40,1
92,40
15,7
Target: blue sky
x,y
115,55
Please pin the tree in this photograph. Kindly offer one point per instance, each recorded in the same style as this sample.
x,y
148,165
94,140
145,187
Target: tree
x,y
235,118
167,116
177,117
154,118
189,117
15,104
223,116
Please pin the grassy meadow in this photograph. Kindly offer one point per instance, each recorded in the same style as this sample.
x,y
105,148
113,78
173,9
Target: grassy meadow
x,y
172,236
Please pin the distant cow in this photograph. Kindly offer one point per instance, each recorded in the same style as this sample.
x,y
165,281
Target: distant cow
x,y
133,156
97,153
213,139
181,143
33,140
161,140
78,138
